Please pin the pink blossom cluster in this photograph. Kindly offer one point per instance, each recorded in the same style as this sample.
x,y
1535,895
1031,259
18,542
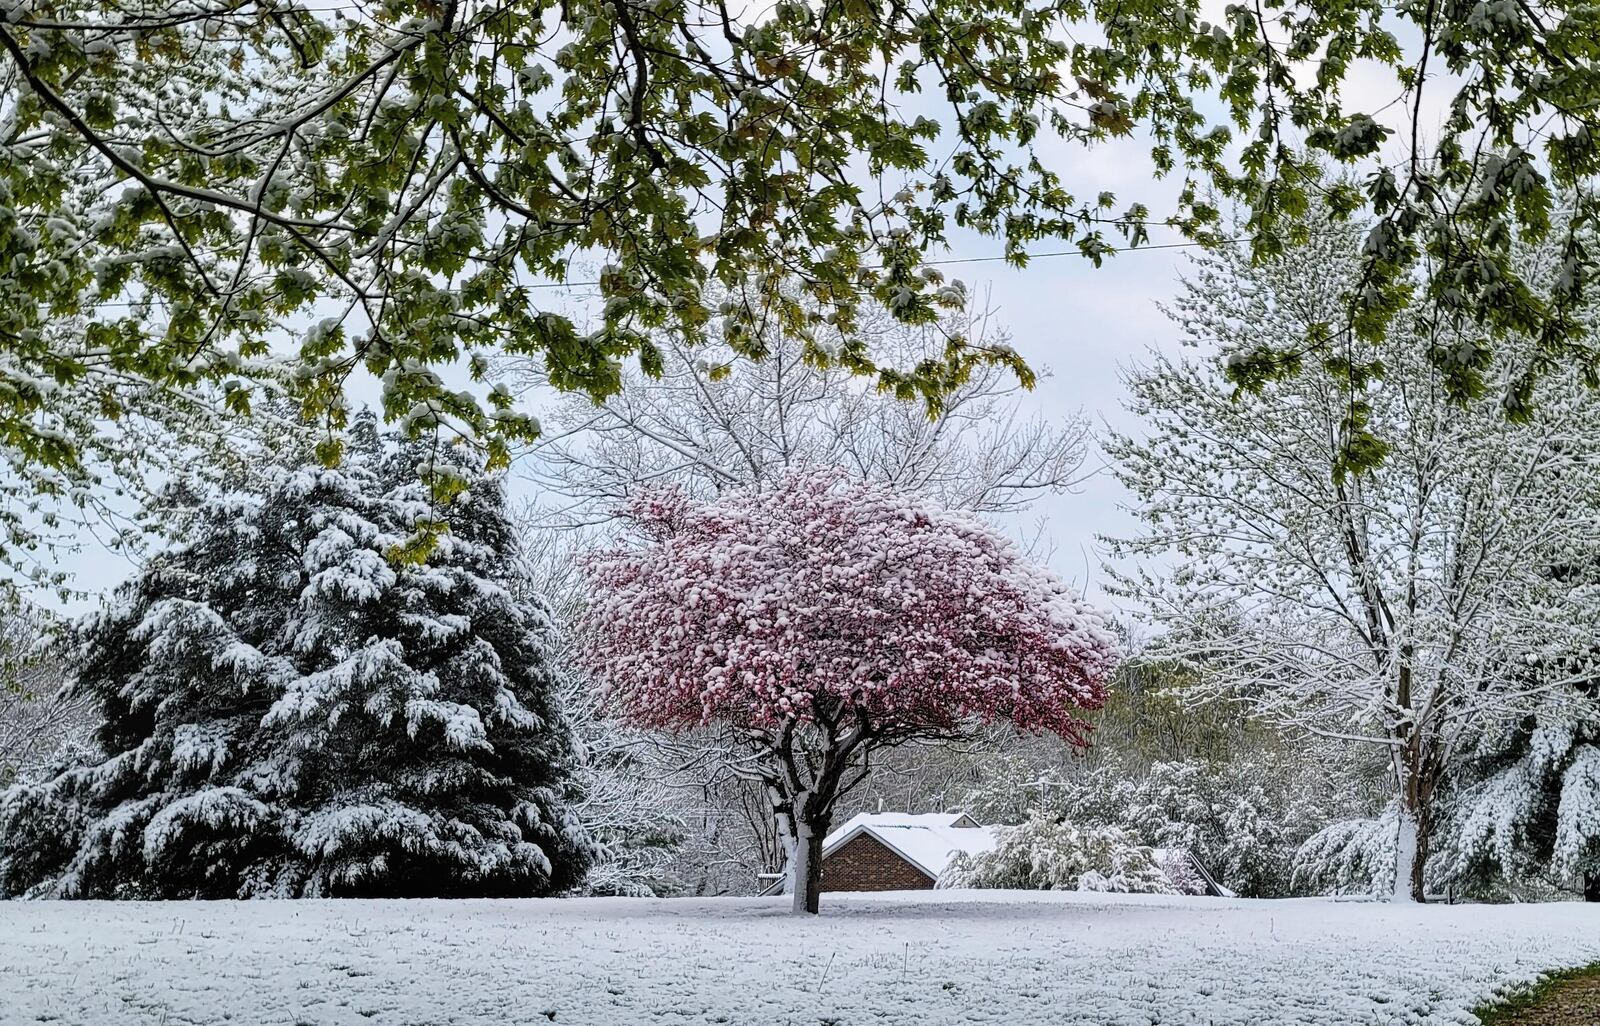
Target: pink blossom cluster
x,y
827,598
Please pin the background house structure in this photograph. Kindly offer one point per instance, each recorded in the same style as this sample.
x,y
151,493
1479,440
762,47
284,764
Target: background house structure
x,y
906,851
898,851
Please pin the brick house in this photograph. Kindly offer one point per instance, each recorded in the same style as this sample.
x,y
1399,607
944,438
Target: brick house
x,y
898,851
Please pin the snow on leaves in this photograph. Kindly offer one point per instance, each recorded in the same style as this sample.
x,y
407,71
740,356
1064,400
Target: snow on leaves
x,y
1578,825
224,810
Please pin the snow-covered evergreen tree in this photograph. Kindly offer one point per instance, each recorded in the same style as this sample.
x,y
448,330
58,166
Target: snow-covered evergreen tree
x,y
292,710
1526,810
628,803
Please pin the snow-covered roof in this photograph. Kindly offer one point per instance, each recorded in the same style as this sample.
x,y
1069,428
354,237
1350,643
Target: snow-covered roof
x,y
926,840
913,819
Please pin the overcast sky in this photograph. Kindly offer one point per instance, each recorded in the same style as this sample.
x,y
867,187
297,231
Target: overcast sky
x,y
1084,326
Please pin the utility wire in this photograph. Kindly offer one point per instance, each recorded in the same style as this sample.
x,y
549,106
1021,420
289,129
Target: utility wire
x,y
948,262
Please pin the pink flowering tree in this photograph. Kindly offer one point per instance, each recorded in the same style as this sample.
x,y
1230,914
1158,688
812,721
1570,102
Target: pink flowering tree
x,y
821,621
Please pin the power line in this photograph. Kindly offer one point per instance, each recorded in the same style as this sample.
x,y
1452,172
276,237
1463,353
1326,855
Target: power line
x,y
948,262
1078,253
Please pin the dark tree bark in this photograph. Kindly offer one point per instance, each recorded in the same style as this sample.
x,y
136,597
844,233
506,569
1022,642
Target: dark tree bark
x,y
806,769
1419,865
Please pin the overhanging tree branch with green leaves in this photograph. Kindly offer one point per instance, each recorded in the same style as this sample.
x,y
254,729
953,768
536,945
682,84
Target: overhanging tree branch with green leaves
x,y
182,184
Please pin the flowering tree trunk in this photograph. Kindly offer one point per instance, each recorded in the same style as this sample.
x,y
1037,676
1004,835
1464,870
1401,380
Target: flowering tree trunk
x,y
806,770
804,843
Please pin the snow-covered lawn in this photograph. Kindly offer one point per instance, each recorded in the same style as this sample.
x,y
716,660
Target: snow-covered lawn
x,y
913,959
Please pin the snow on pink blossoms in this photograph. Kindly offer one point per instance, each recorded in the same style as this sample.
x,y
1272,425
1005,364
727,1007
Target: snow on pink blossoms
x,y
824,618
753,608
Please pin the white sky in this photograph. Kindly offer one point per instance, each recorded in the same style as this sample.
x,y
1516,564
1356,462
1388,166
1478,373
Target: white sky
x,y
1083,326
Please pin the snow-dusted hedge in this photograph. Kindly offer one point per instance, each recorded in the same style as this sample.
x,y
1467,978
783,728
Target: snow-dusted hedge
x,y
1045,854
1353,856
1242,819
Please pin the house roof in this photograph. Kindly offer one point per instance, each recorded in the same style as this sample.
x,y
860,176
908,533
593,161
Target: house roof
x,y
926,840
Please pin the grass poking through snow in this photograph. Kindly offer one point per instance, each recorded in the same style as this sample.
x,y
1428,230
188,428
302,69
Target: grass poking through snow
x,y
1568,997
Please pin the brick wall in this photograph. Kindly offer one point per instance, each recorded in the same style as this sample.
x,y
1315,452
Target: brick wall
x,y
864,863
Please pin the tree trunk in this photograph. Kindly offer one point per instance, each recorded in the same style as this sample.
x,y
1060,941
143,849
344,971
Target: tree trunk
x,y
784,827
803,824
803,795
1416,765
1411,856
1591,887
806,876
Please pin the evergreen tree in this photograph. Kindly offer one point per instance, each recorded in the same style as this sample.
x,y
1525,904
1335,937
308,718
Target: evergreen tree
x,y
1527,808
293,711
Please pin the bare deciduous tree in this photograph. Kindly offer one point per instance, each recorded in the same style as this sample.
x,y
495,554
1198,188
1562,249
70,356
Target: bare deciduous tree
x,y
38,723
712,421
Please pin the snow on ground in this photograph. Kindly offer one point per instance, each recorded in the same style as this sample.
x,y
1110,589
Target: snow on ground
x,y
899,960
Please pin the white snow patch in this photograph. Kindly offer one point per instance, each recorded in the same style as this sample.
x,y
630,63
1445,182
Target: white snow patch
x,y
912,959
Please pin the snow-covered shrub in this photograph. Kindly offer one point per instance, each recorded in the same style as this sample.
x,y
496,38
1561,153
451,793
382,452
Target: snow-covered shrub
x,y
292,711
1178,865
1231,791
1352,856
626,801
1242,819
1048,854
634,818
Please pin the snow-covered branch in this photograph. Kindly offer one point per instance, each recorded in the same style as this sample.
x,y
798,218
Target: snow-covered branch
x,y
1391,606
